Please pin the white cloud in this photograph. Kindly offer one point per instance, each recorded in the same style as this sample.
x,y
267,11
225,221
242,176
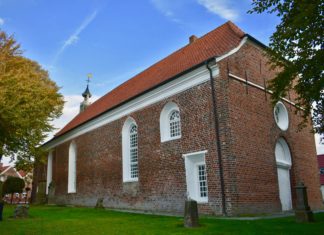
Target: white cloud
x,y
74,38
222,8
2,21
166,7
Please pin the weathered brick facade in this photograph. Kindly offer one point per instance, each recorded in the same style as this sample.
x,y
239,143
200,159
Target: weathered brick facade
x,y
247,131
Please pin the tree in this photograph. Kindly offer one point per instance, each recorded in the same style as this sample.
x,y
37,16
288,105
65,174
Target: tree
x,y
29,101
13,185
297,46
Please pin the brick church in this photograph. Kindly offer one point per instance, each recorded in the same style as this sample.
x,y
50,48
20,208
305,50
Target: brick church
x,y
198,124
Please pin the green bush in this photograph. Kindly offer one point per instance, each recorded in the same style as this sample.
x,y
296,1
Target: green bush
x,y
13,185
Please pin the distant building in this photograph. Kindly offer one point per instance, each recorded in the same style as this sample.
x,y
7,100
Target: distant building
x,y
6,171
320,159
198,124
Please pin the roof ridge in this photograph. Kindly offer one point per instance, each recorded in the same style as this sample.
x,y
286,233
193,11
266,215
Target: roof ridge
x,y
235,28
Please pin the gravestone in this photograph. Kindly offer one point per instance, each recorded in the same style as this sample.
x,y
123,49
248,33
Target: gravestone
x,y
51,193
191,214
303,212
21,211
99,204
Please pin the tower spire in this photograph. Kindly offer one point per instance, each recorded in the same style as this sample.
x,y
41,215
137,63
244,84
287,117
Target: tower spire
x,y
86,95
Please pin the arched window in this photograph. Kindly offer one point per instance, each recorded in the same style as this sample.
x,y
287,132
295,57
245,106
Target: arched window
x,y
49,170
72,168
133,153
130,150
283,160
170,122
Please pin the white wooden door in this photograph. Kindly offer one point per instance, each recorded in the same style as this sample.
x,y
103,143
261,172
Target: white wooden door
x,y
284,188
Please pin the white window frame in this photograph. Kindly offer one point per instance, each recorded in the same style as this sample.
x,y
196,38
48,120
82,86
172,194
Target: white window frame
x,y
49,170
72,168
126,149
281,116
192,161
165,115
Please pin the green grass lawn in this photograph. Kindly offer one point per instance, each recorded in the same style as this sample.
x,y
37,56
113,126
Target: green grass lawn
x,y
68,220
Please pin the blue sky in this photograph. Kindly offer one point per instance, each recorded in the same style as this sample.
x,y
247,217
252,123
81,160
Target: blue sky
x,y
114,40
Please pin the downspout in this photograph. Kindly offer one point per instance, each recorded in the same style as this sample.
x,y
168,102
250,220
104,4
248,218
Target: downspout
x,y
218,142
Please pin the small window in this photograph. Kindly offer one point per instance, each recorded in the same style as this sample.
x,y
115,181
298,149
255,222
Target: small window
x,y
196,176
170,122
322,171
175,125
202,178
281,116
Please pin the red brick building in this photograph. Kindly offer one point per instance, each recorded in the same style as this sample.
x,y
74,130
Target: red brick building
x,y
197,124
320,159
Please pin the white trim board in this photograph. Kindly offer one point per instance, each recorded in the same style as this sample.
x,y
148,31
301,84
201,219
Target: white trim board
x,y
180,84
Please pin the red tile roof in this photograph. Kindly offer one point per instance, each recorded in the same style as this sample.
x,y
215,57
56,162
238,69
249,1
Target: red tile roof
x,y
215,43
3,168
22,173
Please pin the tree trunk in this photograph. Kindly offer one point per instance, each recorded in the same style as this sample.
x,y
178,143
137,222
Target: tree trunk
x,y
11,198
1,209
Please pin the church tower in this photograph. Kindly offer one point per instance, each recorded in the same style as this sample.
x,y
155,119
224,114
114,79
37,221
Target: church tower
x,y
86,95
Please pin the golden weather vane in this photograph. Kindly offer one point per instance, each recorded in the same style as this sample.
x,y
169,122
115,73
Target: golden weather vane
x,y
89,75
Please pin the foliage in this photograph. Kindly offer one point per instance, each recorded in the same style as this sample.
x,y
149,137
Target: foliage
x,y
13,185
68,220
297,47
29,101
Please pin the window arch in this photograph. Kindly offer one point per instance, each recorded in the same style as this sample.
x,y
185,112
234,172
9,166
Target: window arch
x,y
72,168
282,153
130,150
170,122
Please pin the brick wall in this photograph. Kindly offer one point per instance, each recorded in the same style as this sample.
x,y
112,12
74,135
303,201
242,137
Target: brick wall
x,y
249,145
162,183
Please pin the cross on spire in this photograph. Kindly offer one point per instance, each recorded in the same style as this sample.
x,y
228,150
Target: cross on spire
x,y
89,75
86,94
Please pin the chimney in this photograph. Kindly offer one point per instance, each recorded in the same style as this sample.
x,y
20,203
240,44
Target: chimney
x,y
192,39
